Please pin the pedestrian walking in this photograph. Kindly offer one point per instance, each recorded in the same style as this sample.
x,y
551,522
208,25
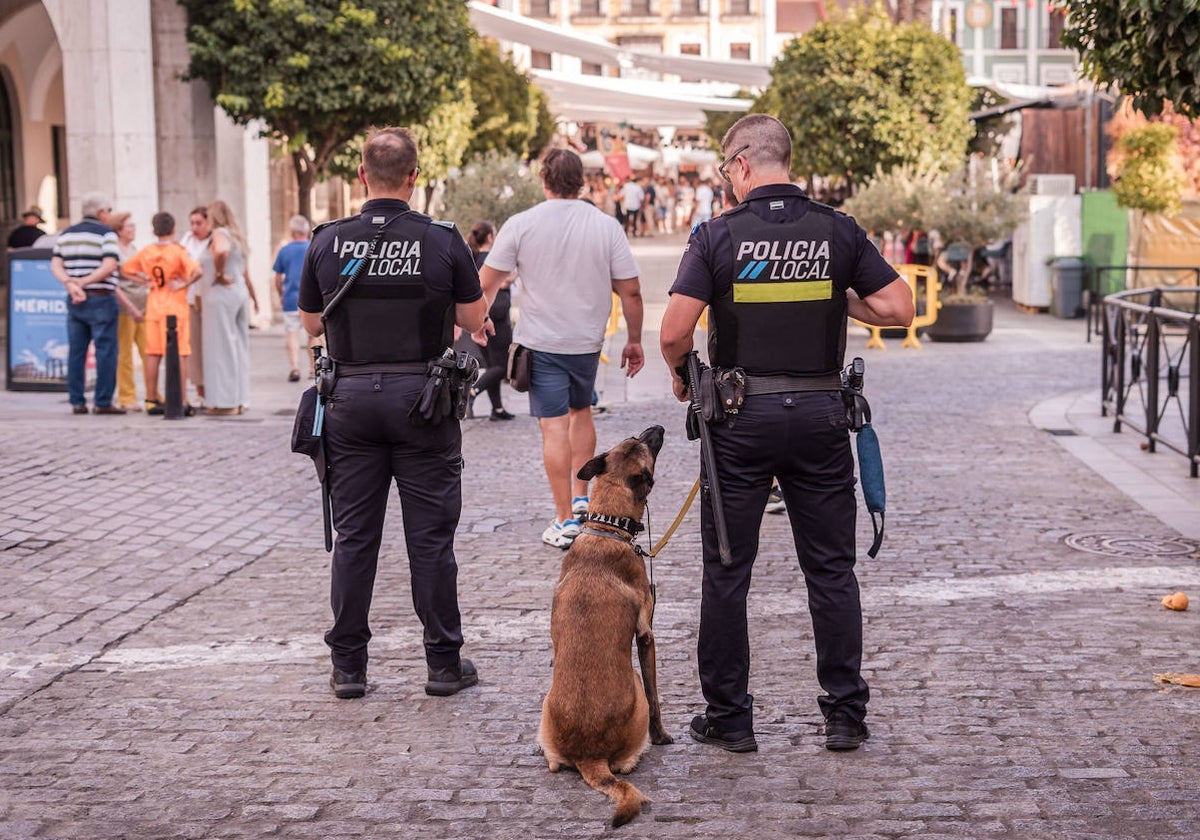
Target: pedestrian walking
x,y
570,257
412,280
495,352
780,273
289,262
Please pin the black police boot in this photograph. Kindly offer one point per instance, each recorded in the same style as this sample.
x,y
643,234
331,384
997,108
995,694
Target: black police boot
x,y
447,681
843,732
738,741
348,685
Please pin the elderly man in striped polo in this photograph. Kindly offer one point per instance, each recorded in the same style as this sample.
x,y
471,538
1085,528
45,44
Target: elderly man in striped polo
x,y
85,261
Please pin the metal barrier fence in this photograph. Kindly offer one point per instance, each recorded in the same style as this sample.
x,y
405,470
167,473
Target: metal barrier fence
x,y
1099,277
1150,379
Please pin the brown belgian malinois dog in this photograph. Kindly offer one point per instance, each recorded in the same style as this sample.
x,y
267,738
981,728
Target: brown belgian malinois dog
x,y
597,717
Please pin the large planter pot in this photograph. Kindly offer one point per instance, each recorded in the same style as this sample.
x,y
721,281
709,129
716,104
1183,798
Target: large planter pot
x,y
962,322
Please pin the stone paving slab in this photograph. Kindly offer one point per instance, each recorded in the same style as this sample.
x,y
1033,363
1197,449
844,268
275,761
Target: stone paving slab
x,y
165,593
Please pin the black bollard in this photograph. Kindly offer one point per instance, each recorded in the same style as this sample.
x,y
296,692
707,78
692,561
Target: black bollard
x,y
174,407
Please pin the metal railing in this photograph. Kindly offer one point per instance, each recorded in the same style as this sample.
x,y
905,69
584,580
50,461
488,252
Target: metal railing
x,y
1094,283
1150,379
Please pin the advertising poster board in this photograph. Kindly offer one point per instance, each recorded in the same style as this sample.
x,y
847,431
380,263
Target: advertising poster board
x,y
37,323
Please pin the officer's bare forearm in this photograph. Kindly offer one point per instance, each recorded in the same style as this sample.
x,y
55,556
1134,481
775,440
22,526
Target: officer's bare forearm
x,y
311,321
891,306
472,316
678,324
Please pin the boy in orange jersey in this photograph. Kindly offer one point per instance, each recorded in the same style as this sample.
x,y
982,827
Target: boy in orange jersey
x,y
169,270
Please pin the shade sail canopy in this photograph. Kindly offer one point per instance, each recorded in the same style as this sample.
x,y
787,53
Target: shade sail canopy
x,y
545,37
631,101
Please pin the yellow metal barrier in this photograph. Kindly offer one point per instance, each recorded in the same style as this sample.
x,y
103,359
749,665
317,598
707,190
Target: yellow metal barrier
x,y
915,276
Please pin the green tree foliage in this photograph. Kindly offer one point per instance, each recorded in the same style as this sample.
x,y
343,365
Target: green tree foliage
x,y
897,200
1149,49
1149,171
318,73
493,186
975,204
512,115
979,203
860,92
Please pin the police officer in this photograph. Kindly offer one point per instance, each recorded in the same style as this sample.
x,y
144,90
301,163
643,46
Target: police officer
x,y
780,273
415,281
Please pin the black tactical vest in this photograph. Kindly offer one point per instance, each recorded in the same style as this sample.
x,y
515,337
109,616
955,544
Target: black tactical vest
x,y
389,314
783,314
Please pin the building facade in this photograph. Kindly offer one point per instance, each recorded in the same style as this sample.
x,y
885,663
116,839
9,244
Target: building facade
x,y
92,100
1009,41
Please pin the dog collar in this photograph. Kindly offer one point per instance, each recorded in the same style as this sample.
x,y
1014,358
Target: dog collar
x,y
624,523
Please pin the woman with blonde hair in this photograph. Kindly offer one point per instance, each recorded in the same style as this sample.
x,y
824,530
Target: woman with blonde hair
x,y
131,329
226,298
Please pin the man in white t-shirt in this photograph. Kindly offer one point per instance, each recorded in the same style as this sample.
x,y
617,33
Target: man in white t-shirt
x,y
571,258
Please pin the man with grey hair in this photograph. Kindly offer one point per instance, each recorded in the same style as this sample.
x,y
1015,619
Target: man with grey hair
x,y
85,261
289,263
779,274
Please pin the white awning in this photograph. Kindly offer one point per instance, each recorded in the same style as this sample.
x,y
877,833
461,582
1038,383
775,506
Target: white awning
x,y
545,37
632,101
639,157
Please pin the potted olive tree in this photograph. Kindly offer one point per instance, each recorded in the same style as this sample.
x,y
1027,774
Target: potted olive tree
x,y
978,204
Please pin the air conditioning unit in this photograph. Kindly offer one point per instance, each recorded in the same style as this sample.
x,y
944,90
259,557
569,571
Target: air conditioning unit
x,y
1052,184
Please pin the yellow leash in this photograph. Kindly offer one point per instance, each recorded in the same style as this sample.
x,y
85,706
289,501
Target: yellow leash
x,y
658,546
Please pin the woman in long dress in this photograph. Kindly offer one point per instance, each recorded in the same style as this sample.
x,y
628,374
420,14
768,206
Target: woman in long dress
x,y
227,296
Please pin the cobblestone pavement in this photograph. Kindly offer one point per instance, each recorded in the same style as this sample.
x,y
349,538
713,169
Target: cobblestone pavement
x,y
164,594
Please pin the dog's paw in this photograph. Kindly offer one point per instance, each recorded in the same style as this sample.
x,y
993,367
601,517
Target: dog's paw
x,y
661,738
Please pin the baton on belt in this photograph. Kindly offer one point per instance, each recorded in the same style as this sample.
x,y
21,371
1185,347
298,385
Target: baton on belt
x,y
324,370
692,369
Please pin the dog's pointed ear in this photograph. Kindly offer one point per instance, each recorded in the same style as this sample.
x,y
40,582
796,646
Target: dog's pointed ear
x,y
596,466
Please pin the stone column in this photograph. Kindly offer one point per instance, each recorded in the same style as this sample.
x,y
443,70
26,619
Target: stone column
x,y
108,73
185,122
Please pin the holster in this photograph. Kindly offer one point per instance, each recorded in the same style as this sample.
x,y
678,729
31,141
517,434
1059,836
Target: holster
x,y
722,392
447,389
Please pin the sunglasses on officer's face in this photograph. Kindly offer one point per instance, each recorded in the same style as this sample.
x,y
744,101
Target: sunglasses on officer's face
x,y
729,160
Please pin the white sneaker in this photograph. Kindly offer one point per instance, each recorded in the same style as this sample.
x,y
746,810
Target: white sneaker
x,y
561,534
579,506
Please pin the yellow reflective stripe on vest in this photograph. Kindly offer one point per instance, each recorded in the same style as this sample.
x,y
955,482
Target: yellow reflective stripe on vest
x,y
782,292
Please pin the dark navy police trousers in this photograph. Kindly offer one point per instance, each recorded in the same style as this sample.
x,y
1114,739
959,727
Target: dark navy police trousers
x,y
372,443
803,441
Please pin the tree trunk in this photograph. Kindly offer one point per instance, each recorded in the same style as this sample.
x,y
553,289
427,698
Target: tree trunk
x,y
306,176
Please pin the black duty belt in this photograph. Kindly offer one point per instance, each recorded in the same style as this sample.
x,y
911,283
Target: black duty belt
x,y
344,369
789,384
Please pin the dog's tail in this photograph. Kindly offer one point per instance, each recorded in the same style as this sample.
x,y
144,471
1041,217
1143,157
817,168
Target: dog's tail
x,y
626,797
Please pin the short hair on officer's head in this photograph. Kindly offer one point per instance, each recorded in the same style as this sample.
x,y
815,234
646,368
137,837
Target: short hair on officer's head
x,y
163,224
769,141
562,172
389,157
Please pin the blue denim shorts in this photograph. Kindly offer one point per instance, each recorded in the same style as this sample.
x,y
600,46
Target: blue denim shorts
x,y
561,381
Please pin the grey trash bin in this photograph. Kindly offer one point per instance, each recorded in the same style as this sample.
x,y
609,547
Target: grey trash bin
x,y
1066,289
